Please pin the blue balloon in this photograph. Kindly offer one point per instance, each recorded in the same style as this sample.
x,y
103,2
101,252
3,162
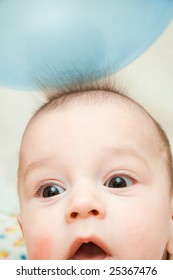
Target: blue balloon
x,y
52,40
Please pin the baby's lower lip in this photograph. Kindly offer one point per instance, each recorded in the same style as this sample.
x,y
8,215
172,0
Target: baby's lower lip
x,y
90,251
106,257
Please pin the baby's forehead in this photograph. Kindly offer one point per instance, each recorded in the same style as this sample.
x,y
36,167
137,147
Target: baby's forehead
x,y
112,106
137,125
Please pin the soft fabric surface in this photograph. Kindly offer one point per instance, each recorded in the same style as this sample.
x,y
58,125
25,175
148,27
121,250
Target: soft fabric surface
x,y
12,246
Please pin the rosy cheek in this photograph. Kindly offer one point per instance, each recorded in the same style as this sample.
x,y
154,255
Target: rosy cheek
x,y
42,248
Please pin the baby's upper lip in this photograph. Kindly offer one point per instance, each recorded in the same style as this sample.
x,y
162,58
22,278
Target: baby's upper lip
x,y
91,239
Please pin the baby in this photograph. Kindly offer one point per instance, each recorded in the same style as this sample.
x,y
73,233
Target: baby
x,y
95,179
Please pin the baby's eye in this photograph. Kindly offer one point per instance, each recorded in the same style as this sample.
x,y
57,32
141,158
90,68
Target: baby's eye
x,y
119,182
52,190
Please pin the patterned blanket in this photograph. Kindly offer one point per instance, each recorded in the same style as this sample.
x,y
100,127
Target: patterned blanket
x,y
12,246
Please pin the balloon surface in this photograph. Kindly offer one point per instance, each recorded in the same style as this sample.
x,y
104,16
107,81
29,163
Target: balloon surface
x,y
52,40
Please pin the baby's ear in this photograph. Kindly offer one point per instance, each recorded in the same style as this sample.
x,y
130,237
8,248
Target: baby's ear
x,y
20,222
170,241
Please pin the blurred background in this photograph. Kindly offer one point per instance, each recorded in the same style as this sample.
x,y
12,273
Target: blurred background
x,y
148,79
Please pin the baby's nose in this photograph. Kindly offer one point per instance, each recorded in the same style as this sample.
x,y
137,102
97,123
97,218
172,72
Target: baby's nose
x,y
85,204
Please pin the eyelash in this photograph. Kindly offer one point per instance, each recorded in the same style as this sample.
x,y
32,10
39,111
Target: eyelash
x,y
41,187
120,175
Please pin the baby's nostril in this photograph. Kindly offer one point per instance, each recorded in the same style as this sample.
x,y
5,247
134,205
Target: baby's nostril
x,y
74,215
95,212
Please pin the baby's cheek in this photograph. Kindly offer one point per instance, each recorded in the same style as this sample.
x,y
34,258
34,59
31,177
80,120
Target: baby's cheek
x,y
42,248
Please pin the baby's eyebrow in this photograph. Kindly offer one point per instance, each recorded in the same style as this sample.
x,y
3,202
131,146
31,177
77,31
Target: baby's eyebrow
x,y
126,151
121,151
34,164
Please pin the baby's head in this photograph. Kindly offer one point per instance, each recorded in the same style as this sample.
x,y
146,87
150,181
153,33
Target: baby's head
x,y
95,179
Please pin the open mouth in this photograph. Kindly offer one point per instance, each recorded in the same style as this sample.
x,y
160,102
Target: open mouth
x,y
89,251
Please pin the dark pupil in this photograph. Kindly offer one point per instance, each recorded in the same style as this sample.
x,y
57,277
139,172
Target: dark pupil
x,y
50,191
117,182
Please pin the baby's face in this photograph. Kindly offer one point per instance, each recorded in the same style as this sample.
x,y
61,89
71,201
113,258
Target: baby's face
x,y
92,186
